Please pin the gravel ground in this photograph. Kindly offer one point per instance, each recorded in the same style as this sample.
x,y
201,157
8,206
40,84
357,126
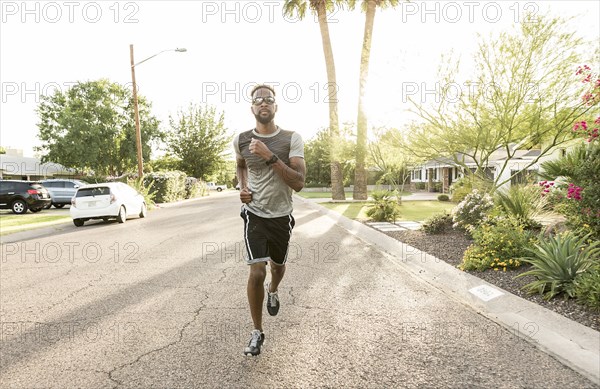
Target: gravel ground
x,y
450,246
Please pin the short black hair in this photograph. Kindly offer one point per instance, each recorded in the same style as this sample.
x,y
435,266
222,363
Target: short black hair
x,y
262,86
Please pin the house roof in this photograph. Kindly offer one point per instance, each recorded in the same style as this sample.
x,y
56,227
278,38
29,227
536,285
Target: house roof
x,y
23,166
496,156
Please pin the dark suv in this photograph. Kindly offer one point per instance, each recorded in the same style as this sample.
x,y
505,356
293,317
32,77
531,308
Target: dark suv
x,y
19,196
62,190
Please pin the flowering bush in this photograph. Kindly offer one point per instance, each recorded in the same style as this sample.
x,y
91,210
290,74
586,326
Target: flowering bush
x,y
499,243
574,192
580,200
472,211
592,95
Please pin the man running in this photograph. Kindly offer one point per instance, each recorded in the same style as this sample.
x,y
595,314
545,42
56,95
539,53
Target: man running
x,y
270,163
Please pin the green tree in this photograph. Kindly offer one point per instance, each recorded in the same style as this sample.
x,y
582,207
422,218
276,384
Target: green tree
x,y
199,139
165,163
360,174
317,153
386,155
91,127
321,8
519,97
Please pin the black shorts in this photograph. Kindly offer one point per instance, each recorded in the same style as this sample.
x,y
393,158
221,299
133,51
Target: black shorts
x,y
267,239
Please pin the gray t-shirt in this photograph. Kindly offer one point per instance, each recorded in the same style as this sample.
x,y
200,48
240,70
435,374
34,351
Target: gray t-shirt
x,y
271,196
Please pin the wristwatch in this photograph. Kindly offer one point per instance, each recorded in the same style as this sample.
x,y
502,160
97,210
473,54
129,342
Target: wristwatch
x,y
272,160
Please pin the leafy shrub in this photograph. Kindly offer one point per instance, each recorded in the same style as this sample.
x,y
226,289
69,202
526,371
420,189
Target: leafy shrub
x,y
586,288
557,261
437,223
145,190
385,208
523,202
465,185
498,244
195,188
166,186
472,211
420,185
443,197
96,179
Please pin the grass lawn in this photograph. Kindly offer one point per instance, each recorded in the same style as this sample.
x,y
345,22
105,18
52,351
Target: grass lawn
x,y
10,222
409,210
327,195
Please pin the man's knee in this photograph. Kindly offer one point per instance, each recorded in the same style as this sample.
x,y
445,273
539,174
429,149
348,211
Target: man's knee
x,y
277,269
258,272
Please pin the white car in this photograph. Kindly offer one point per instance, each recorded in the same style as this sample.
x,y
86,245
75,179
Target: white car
x,y
112,200
215,186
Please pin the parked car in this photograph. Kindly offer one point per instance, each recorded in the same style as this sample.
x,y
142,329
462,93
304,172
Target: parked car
x,y
111,200
20,196
215,186
62,190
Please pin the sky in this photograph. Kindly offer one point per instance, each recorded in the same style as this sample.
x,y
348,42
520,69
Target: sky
x,y
232,45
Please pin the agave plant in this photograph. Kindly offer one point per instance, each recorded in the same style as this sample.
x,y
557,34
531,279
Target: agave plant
x,y
557,260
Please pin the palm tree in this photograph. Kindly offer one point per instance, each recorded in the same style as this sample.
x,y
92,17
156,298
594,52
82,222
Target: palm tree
x,y
360,174
321,8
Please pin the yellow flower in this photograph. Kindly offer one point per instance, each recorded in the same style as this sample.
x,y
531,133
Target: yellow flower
x,y
495,269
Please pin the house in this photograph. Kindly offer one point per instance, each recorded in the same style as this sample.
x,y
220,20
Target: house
x,y
438,174
13,166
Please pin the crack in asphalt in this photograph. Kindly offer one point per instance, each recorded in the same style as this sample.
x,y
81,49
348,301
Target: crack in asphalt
x,y
70,295
158,349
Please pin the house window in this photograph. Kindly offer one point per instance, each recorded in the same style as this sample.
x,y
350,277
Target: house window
x,y
563,153
523,177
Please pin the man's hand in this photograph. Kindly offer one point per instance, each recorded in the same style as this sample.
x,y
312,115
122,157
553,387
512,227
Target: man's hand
x,y
259,148
245,195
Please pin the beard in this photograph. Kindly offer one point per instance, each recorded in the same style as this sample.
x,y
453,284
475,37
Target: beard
x,y
265,119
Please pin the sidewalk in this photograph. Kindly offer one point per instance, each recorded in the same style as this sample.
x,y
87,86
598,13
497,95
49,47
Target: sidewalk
x,y
573,344
412,197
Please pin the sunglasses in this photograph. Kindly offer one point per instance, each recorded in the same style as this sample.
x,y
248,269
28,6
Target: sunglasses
x,y
259,100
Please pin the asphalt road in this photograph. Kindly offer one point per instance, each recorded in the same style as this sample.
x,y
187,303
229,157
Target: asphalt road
x,y
161,303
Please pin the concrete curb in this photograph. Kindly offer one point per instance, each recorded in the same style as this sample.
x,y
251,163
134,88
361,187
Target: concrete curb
x,y
573,344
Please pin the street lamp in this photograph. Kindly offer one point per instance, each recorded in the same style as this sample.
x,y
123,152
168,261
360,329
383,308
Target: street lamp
x,y
138,132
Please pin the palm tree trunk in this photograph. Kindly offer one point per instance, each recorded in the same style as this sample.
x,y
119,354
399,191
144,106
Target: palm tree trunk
x,y
337,181
360,173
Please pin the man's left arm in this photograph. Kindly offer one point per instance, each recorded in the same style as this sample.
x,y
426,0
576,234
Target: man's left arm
x,y
292,175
